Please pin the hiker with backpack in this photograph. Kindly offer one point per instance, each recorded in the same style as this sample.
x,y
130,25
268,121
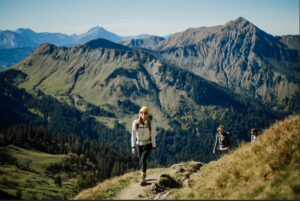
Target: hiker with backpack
x,y
254,134
222,143
143,139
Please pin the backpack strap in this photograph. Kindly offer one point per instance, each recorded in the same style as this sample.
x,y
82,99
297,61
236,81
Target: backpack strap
x,y
149,127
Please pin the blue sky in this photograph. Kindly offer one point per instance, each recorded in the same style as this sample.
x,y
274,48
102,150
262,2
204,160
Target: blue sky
x,y
159,17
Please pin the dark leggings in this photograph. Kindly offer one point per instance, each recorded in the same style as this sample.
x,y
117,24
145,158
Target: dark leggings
x,y
143,152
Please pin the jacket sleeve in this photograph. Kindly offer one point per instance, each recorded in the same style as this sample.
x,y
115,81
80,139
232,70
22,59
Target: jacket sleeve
x,y
133,134
153,134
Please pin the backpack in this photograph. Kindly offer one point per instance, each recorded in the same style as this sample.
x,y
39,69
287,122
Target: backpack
x,y
149,124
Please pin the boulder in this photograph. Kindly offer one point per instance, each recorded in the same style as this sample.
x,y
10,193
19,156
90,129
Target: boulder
x,y
167,181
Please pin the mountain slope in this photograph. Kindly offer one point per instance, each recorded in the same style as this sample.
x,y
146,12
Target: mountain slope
x,y
11,56
267,169
114,77
292,41
10,39
244,58
187,37
29,179
45,37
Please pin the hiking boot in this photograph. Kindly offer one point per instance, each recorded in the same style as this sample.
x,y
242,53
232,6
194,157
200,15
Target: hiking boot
x,y
143,179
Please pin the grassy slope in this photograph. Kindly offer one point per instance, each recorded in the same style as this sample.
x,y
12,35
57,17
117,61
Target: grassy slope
x,y
40,160
32,184
267,169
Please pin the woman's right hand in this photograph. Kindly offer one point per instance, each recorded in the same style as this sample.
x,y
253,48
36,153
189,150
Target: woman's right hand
x,y
133,150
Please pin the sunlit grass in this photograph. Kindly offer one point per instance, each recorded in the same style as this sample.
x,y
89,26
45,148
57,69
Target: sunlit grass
x,y
267,169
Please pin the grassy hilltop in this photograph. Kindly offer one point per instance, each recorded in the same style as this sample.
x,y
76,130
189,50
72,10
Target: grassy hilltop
x,y
267,169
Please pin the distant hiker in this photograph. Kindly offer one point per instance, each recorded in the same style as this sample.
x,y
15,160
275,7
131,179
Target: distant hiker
x,y
143,139
222,142
254,134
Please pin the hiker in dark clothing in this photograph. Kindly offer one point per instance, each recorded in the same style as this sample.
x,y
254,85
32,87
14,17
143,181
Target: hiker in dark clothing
x,y
143,139
254,135
222,142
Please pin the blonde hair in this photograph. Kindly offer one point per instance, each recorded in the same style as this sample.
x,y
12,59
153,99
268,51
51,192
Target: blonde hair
x,y
144,109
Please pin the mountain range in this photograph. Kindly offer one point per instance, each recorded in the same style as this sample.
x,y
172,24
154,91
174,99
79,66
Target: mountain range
x,y
238,56
16,45
25,37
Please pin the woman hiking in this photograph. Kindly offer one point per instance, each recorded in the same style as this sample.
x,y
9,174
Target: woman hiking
x,y
222,142
143,139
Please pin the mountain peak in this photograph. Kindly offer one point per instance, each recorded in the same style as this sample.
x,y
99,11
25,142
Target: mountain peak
x,y
239,23
24,30
96,29
241,19
97,32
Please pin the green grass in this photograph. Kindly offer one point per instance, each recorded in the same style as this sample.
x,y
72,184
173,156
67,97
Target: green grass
x,y
110,193
34,183
108,188
40,160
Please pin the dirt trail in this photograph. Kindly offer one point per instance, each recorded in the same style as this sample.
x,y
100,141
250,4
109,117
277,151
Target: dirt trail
x,y
156,187
137,192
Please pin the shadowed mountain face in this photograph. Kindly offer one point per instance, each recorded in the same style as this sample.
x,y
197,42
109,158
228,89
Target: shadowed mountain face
x,y
9,57
103,43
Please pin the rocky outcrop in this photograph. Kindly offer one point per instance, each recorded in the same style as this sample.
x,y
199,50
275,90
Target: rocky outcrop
x,y
181,174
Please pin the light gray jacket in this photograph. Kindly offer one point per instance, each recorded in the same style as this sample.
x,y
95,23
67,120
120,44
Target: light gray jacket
x,y
142,135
